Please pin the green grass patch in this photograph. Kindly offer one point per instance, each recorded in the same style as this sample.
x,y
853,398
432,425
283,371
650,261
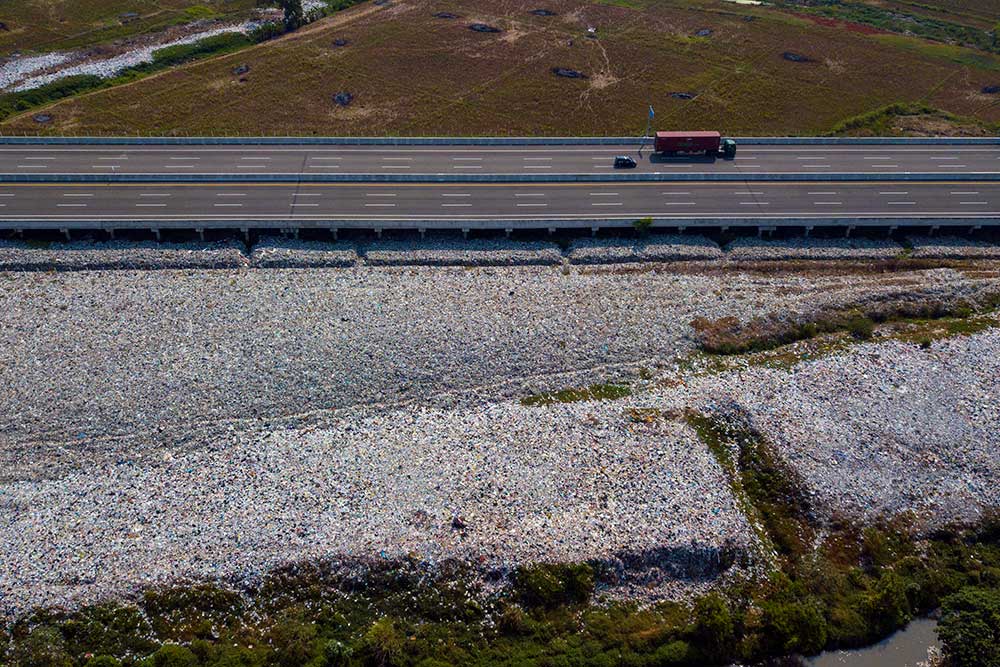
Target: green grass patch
x,y
881,122
595,392
893,20
758,474
948,52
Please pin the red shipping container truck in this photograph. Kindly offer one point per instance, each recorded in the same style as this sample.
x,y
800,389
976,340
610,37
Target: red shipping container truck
x,y
709,143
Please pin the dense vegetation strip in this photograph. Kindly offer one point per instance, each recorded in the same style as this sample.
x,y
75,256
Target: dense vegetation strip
x,y
907,23
728,335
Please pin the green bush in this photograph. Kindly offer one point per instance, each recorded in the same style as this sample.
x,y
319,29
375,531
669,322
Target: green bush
x,y
103,661
384,644
43,647
551,585
294,642
714,629
336,654
796,627
71,85
677,652
643,225
266,31
172,655
108,629
182,53
861,327
970,627
889,605
847,625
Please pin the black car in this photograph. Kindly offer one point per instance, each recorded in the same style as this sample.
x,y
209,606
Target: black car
x,y
624,162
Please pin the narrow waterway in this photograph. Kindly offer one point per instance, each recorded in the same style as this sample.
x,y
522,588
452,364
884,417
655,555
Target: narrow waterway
x,y
906,648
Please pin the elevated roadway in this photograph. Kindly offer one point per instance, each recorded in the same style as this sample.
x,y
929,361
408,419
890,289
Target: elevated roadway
x,y
493,205
294,160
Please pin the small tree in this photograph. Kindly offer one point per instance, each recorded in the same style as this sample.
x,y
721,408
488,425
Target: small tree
x,y
643,225
295,16
970,628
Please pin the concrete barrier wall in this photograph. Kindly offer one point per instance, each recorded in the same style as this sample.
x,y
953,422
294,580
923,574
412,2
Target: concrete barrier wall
x,y
846,223
430,179
481,141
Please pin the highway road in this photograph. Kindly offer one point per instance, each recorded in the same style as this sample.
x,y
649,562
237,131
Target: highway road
x,y
319,204
291,160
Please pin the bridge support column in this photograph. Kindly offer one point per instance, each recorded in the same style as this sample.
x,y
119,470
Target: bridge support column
x,y
246,233
156,233
594,230
423,232
892,230
681,230
508,231
333,230
65,231
552,230
848,230
975,228
465,233
809,229
111,233
378,233
19,233
934,230
201,233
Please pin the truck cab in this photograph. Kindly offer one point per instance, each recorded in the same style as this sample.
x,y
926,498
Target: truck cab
x,y
727,148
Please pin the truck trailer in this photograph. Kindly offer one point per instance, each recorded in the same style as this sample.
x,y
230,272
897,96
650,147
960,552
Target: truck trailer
x,y
691,143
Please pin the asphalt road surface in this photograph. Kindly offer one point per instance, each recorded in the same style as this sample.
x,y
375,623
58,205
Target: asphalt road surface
x,y
482,160
278,203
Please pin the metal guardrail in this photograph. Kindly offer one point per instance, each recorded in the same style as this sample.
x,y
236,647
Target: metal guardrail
x,y
431,179
477,141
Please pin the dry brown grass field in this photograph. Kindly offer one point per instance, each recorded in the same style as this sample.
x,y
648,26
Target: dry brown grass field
x,y
412,73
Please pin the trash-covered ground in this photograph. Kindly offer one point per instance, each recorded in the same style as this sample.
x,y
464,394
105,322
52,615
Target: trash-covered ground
x,y
95,256
887,429
757,249
91,355
493,486
938,247
659,248
170,424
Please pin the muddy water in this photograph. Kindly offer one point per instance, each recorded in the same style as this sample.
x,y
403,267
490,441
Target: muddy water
x,y
906,648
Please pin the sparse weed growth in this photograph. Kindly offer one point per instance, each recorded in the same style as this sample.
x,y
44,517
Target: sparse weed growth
x,y
595,392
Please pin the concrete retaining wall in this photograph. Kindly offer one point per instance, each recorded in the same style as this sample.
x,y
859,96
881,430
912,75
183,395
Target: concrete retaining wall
x,y
523,224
